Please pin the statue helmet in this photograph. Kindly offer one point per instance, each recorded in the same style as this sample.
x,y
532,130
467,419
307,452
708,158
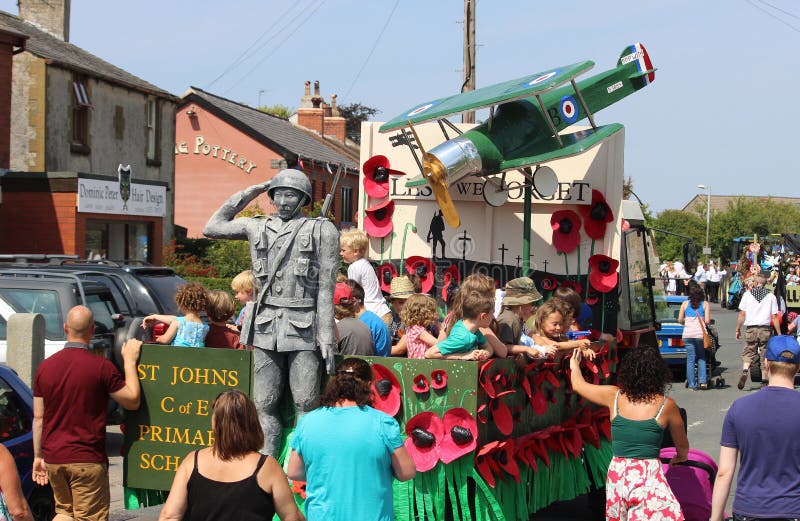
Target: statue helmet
x,y
291,178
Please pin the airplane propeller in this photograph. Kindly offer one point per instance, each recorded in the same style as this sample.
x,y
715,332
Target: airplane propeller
x,y
436,175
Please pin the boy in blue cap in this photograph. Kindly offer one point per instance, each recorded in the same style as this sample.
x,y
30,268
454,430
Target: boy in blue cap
x,y
761,428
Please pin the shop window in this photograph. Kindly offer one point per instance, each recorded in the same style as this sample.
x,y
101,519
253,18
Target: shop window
x,y
347,204
153,131
119,240
81,105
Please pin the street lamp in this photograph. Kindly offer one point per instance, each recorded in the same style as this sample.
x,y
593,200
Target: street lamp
x,y
707,250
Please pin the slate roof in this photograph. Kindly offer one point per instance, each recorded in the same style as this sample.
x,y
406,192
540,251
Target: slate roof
x,y
721,202
72,57
277,133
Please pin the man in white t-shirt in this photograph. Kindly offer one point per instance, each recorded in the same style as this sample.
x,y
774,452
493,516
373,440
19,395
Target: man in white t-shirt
x,y
758,312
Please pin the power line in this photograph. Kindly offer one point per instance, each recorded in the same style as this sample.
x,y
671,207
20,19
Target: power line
x,y
374,46
243,57
784,22
278,46
781,10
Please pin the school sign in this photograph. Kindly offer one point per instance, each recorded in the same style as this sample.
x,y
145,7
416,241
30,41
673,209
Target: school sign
x,y
179,385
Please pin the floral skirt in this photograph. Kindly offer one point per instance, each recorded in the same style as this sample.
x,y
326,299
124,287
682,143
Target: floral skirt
x,y
636,489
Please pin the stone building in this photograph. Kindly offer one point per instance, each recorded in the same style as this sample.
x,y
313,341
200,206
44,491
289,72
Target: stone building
x,y
222,147
75,119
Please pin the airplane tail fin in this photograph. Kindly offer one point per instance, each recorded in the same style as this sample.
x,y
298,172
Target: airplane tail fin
x,y
636,60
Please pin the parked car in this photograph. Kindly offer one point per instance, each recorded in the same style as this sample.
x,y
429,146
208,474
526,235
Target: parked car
x,y
138,289
16,420
53,295
670,337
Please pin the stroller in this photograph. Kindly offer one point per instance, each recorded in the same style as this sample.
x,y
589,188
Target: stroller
x,y
692,482
711,360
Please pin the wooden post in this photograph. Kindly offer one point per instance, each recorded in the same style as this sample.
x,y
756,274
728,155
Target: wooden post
x,y
469,55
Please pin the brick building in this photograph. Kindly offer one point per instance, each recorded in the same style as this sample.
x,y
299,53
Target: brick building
x,y
74,120
222,147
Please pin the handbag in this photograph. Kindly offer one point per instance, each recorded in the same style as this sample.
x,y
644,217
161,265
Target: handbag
x,y
707,342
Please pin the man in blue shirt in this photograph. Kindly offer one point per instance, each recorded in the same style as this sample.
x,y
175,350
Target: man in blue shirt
x,y
761,429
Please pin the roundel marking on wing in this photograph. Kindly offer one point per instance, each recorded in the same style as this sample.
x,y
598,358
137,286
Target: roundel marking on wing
x,y
543,77
420,110
568,109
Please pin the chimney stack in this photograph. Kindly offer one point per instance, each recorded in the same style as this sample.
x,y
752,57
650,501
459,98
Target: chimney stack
x,y
310,113
51,16
335,124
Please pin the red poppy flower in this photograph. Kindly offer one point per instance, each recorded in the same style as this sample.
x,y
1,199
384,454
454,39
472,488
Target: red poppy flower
x,y
592,296
596,216
450,279
421,384
424,269
439,379
386,272
575,285
566,226
549,283
603,275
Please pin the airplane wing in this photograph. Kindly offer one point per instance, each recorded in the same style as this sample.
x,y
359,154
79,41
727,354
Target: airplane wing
x,y
487,96
548,149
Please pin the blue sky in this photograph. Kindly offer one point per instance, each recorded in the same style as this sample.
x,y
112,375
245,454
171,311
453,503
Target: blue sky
x,y
701,122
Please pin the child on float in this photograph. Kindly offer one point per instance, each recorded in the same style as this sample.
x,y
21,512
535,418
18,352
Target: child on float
x,y
401,289
580,317
219,309
353,244
187,330
519,303
419,313
244,285
353,336
465,341
484,286
551,327
382,340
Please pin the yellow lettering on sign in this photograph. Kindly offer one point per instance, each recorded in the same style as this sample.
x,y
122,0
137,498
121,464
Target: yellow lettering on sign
x,y
204,376
164,401
159,462
148,371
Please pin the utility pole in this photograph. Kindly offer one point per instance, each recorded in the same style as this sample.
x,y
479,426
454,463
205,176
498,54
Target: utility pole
x,y
469,55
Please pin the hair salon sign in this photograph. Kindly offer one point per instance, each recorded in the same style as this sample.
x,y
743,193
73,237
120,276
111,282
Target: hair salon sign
x,y
113,196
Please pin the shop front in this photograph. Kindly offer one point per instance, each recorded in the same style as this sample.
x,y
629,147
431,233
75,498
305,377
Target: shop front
x,y
91,216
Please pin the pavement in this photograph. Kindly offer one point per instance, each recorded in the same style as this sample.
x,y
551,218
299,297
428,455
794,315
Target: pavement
x,y
705,413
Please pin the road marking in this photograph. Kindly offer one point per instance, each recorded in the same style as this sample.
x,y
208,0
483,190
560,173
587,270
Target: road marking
x,y
695,424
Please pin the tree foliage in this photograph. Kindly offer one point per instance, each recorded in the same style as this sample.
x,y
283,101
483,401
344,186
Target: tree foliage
x,y
278,110
354,114
742,217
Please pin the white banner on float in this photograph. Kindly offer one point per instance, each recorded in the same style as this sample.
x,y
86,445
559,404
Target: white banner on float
x,y
99,196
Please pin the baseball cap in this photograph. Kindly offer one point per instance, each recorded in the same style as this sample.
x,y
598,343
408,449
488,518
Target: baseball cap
x,y
783,348
341,291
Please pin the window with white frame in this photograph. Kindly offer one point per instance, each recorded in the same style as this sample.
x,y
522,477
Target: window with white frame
x,y
81,105
151,123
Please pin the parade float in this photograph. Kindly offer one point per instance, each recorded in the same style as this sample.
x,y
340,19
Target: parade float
x,y
524,193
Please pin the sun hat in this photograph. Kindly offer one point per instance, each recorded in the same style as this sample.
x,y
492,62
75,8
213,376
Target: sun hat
x,y
378,219
783,348
385,390
521,291
460,434
603,275
425,432
401,287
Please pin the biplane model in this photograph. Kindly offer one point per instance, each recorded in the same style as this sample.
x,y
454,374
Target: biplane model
x,y
525,121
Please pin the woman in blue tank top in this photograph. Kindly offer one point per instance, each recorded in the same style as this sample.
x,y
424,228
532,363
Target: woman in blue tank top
x,y
636,488
692,312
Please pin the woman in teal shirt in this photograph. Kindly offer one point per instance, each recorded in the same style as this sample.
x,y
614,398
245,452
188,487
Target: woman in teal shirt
x,y
348,452
636,488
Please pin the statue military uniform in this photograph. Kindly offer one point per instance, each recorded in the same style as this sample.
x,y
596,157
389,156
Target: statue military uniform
x,y
295,260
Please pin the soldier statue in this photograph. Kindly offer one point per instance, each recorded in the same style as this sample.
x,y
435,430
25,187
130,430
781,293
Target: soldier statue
x,y
295,260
